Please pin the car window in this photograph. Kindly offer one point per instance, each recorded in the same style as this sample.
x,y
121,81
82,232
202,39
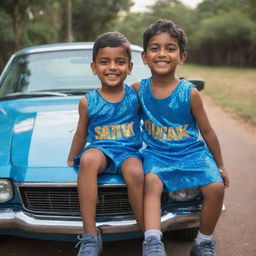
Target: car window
x,y
59,70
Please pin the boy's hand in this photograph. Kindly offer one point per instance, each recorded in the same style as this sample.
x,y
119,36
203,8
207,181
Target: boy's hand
x,y
70,162
224,175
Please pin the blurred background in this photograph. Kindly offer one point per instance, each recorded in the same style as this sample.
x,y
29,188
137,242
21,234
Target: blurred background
x,y
220,32
221,36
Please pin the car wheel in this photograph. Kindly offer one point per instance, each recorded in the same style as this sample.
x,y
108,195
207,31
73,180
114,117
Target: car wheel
x,y
184,234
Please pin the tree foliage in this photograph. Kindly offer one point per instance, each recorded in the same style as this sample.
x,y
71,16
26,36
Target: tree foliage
x,y
91,17
219,32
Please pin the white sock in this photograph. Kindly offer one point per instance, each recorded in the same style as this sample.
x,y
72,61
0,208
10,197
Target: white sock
x,y
202,237
153,232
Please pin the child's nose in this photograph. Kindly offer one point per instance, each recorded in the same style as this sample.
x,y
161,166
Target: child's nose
x,y
112,65
162,52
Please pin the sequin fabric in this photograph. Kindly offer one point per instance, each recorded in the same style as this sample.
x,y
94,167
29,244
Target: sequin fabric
x,y
114,128
174,151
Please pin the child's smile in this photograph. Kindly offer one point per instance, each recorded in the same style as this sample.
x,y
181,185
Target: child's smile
x,y
112,66
163,54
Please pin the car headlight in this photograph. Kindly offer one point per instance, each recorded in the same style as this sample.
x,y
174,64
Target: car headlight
x,y
6,191
183,195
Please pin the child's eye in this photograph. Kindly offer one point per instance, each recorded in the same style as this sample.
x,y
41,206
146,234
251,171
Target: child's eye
x,y
153,49
171,49
103,62
121,62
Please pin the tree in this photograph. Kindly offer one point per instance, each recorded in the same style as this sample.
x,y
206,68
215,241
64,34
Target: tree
x,y
91,17
6,37
218,41
22,13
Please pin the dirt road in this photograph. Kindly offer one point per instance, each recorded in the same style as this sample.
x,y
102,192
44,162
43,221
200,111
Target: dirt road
x,y
236,230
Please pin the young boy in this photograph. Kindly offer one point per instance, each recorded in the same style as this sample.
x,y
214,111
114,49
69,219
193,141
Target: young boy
x,y
108,120
172,112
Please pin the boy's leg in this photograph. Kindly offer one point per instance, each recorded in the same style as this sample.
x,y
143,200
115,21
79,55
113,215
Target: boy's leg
x,y
213,195
133,174
152,245
152,202
213,200
92,162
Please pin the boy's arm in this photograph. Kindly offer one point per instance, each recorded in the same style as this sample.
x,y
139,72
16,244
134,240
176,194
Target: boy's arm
x,y
79,139
208,133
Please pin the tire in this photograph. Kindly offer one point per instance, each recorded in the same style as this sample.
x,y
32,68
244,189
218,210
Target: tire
x,y
184,234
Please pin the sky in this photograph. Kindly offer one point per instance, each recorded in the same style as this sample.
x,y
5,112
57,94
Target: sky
x,y
140,5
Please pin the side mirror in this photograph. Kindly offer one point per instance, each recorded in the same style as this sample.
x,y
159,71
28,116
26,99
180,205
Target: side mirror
x,y
199,83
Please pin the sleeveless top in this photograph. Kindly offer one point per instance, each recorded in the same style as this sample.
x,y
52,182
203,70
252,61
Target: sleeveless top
x,y
174,151
114,123
168,122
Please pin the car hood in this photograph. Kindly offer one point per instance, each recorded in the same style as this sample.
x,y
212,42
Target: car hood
x,y
35,139
37,132
36,135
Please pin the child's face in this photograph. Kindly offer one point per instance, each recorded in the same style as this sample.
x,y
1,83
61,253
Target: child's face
x,y
112,66
163,54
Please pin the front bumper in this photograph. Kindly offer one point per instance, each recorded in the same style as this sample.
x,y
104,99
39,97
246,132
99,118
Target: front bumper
x,y
19,220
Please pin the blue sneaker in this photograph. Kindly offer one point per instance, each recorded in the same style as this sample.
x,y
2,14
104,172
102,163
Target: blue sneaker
x,y
153,247
89,245
205,248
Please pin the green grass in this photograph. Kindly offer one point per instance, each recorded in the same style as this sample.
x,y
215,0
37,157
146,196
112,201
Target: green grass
x,y
234,89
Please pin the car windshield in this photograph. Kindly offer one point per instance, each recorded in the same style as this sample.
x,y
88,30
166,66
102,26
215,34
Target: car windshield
x,y
58,71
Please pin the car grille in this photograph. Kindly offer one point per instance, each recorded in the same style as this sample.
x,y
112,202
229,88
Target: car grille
x,y
63,201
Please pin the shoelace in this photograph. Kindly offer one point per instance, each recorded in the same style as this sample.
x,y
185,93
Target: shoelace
x,y
208,248
154,248
88,244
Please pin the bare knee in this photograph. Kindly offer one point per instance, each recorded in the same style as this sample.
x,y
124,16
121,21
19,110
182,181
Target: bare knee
x,y
132,172
134,176
213,191
92,162
153,184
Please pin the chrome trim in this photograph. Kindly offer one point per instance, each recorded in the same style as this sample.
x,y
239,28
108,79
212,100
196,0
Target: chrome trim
x,y
55,185
11,219
58,184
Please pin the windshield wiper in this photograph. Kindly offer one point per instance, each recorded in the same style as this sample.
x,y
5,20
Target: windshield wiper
x,y
33,94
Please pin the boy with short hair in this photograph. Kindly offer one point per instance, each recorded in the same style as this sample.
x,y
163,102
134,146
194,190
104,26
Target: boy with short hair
x,y
172,112
109,121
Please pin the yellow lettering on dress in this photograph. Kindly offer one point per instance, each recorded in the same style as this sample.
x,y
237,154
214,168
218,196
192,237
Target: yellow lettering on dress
x,y
158,133
164,130
147,125
127,129
98,131
112,132
172,134
153,129
105,132
182,131
117,130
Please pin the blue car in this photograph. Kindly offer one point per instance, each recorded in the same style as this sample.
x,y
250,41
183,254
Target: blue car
x,y
40,89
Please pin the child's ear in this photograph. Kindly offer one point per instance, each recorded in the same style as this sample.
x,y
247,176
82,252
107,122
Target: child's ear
x,y
130,66
93,67
144,57
183,57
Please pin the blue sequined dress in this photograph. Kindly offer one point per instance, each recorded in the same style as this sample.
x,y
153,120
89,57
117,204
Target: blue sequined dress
x,y
174,151
114,128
